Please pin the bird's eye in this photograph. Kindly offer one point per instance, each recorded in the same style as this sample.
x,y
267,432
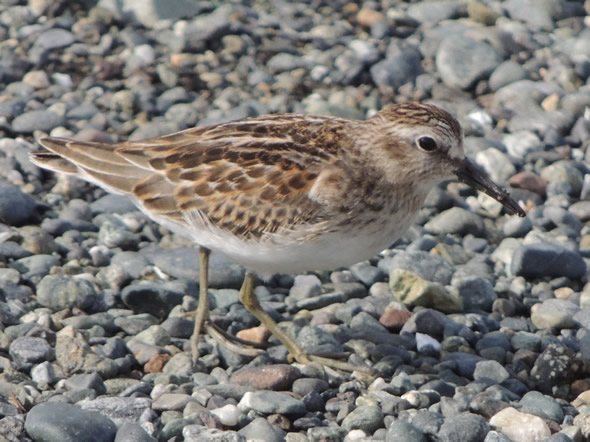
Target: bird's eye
x,y
427,144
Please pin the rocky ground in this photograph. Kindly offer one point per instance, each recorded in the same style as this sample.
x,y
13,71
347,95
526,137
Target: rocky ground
x,y
476,323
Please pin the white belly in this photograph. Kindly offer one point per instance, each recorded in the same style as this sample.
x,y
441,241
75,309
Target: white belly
x,y
323,252
295,252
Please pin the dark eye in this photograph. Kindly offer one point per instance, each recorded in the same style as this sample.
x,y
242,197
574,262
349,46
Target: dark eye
x,y
427,144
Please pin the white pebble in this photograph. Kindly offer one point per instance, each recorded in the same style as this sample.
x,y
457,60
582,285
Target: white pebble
x,y
158,390
355,435
423,341
228,414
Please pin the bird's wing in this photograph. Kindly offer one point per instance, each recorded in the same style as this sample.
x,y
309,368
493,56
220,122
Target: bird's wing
x,y
251,177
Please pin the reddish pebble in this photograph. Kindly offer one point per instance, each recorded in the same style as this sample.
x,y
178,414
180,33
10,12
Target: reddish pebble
x,y
270,377
529,181
394,320
368,17
156,364
257,334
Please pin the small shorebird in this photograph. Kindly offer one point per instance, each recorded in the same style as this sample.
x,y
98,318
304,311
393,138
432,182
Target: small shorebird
x,y
283,193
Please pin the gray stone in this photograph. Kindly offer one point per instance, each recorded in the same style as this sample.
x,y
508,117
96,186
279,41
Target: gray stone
x,y
496,164
542,122
283,62
432,14
365,417
133,432
60,292
31,121
540,260
90,381
401,431
506,73
327,434
113,235
462,61
316,340
555,314
113,204
183,263
120,410
27,351
43,372
537,14
490,370
517,227
397,70
521,143
466,427
456,221
260,428
477,293
427,266
61,422
132,263
16,207
541,405
55,38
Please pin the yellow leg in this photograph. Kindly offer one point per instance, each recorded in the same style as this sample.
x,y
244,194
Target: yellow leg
x,y
202,311
251,303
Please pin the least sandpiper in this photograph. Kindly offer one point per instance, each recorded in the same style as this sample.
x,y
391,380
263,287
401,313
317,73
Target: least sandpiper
x,y
283,193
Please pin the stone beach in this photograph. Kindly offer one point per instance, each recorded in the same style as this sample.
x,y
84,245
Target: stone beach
x,y
476,323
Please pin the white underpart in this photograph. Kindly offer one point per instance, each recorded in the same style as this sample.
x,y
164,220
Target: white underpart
x,y
293,251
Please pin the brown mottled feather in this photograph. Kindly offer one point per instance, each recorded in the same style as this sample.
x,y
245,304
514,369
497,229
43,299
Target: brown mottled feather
x,y
245,178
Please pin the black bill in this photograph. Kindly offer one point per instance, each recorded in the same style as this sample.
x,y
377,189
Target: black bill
x,y
473,175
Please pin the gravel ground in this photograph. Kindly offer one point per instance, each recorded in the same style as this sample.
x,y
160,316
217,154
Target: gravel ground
x,y
476,323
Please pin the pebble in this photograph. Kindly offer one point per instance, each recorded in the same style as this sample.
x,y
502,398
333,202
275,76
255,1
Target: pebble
x,y
44,120
490,370
260,428
132,432
456,221
55,421
541,405
397,70
276,377
554,313
465,427
536,260
476,293
404,432
462,61
26,351
270,402
519,426
367,418
16,207
427,266
60,292
412,290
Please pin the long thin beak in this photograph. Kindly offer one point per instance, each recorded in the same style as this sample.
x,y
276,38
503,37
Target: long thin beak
x,y
473,175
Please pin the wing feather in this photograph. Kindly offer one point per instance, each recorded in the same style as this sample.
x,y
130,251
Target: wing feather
x,y
251,177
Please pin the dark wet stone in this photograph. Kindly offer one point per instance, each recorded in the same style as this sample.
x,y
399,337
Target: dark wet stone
x,y
16,207
539,260
555,366
61,422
